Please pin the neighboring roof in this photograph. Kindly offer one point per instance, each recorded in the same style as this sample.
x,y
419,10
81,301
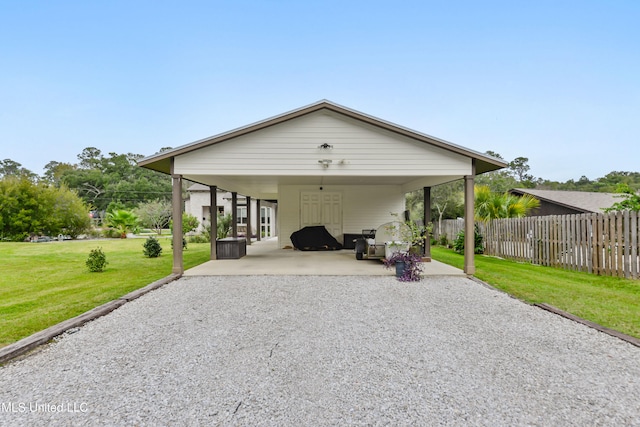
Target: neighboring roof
x,y
161,161
585,201
198,187
201,188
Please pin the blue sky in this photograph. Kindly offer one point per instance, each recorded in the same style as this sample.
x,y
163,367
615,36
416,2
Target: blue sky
x,y
555,81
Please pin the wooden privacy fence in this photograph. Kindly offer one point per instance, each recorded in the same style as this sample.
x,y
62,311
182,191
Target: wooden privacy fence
x,y
448,227
603,244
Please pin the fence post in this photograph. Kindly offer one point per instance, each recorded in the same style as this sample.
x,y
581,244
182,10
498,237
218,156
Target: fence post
x,y
625,242
634,244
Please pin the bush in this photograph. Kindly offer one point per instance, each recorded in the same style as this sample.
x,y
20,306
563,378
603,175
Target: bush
x,y
95,233
224,225
28,208
189,223
122,221
110,233
152,248
458,244
199,238
206,231
97,260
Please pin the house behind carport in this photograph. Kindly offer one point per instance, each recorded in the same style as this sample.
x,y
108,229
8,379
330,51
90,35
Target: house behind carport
x,y
324,164
560,202
260,218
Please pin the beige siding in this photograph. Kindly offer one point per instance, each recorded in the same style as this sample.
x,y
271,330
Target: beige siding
x,y
363,206
371,206
291,148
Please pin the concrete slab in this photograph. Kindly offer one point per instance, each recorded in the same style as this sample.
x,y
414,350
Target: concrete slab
x,y
265,258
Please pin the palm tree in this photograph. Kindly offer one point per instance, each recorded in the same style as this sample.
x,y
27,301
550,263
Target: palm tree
x,y
123,221
489,205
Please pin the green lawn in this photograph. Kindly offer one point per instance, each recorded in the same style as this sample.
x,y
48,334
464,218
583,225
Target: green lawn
x,y
608,301
45,283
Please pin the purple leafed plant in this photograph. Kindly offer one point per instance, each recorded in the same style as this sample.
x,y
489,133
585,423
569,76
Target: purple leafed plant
x,y
412,265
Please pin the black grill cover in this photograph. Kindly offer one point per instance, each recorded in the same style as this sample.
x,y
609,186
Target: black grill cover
x,y
314,238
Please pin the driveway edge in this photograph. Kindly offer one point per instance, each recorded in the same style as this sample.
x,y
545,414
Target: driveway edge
x,y
628,338
26,344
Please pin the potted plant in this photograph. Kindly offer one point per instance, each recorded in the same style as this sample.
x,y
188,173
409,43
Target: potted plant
x,y
408,266
416,234
412,233
393,247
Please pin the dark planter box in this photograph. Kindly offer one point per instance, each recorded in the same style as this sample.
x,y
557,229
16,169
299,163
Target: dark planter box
x,y
231,248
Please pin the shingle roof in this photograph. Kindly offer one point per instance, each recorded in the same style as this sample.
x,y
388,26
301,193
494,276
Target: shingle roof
x,y
581,200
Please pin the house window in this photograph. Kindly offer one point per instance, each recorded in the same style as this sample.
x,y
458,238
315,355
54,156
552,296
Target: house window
x,y
265,221
242,215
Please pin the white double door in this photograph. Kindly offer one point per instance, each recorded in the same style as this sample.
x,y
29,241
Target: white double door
x,y
322,208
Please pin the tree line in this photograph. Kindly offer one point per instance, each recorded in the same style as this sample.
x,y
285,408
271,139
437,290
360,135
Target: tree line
x,y
68,195
105,182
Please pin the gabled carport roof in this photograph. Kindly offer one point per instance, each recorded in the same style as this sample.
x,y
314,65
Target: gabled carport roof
x,y
161,162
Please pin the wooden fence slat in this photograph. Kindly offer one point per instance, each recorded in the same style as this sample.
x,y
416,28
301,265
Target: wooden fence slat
x,y
547,241
573,242
518,238
619,233
544,241
569,243
586,229
626,244
600,246
613,244
592,240
579,242
586,225
605,268
606,232
557,239
553,235
535,237
634,244
562,228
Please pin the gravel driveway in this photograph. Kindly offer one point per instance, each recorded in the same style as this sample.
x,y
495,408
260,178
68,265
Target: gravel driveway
x,y
295,351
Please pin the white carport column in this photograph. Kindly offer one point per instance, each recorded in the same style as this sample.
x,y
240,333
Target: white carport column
x,y
176,204
213,215
469,218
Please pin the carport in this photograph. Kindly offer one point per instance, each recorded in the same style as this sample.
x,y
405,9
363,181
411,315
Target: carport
x,y
324,164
